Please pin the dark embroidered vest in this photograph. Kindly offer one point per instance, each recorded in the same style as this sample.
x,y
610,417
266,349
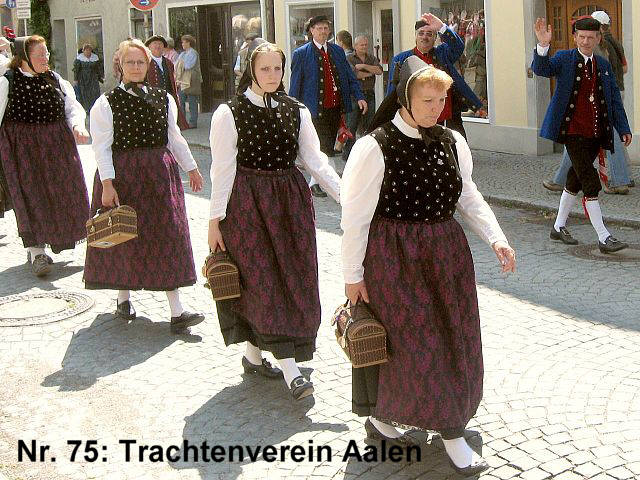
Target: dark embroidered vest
x,y
584,117
139,122
34,100
420,184
266,142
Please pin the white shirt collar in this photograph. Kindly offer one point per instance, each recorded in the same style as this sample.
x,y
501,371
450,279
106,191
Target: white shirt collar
x,y
158,60
321,45
404,127
26,74
585,57
256,99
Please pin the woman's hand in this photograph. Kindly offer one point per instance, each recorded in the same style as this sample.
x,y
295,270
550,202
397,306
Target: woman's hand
x,y
195,180
215,236
109,194
355,291
506,256
81,135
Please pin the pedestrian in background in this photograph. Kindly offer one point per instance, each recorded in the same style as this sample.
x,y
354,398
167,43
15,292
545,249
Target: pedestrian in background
x,y
189,79
365,67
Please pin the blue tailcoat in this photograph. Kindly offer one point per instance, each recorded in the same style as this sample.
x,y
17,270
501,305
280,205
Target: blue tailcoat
x,y
304,83
563,66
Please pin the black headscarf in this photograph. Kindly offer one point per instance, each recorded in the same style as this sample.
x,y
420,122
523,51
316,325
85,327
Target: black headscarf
x,y
19,49
403,76
249,75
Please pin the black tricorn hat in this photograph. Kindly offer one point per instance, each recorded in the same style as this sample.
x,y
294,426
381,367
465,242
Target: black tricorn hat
x,y
158,38
587,23
318,19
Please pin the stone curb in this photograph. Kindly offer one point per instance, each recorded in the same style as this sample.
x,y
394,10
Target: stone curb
x,y
511,202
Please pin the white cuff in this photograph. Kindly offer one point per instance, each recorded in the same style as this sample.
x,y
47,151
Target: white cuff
x,y
542,51
443,28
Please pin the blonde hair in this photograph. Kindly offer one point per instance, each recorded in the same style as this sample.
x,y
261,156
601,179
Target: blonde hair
x,y
433,77
127,45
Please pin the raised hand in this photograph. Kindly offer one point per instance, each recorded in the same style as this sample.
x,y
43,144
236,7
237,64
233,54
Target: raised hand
x,y
433,22
543,32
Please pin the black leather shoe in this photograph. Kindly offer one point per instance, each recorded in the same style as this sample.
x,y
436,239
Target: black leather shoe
x,y
125,310
187,319
374,434
316,191
550,185
475,468
300,387
611,245
563,235
265,369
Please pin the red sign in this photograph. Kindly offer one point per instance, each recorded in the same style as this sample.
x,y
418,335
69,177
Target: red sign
x,y
144,5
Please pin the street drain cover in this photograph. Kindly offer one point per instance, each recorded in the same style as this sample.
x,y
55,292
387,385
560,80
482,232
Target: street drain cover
x,y
40,308
591,252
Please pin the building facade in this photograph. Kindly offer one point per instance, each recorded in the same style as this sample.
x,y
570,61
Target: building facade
x,y
498,35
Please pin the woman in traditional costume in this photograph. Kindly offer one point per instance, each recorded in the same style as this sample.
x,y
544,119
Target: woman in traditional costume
x,y
138,147
41,123
262,214
405,254
88,75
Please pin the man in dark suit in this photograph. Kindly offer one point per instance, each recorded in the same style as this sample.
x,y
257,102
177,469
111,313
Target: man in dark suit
x,y
585,108
443,57
161,74
322,79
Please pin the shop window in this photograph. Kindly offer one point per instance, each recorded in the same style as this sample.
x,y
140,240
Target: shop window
x,y
141,23
466,18
298,16
182,21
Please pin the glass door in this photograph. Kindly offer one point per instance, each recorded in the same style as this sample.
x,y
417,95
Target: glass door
x,y
382,43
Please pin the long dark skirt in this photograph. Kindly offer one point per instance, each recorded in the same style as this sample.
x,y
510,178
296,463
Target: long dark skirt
x,y
161,258
421,286
270,233
45,181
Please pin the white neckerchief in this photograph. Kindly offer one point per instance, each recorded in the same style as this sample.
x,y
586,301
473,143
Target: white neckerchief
x,y
585,57
256,99
83,58
404,127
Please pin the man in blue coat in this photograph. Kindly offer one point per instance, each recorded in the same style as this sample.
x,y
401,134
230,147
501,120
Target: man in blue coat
x,y
585,107
443,57
323,80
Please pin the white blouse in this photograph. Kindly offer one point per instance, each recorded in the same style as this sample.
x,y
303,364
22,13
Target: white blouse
x,y
224,139
101,123
360,190
74,112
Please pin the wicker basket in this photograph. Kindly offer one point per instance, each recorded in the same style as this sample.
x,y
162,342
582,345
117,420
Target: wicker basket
x,y
112,227
222,276
361,336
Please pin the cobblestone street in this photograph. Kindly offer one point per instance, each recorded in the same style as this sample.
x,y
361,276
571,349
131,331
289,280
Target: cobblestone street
x,y
561,344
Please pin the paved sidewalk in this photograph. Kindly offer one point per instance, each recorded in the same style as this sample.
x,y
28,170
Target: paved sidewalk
x,y
511,180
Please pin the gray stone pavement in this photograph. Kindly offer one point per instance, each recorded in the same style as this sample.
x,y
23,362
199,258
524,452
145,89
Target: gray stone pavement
x,y
562,371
